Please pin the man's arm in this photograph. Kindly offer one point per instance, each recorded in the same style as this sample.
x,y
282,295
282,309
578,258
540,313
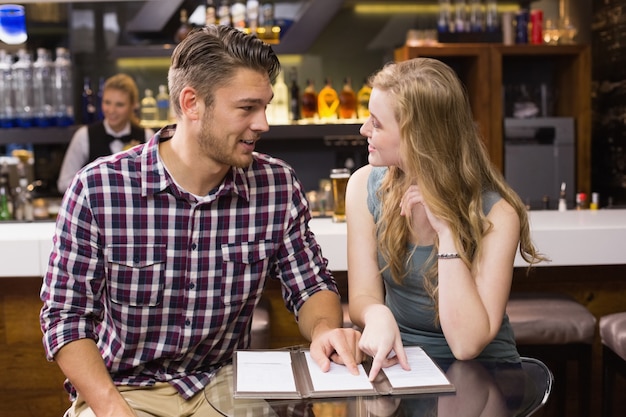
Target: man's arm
x,y
82,364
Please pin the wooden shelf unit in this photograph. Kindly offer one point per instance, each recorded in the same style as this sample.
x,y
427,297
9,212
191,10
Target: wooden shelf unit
x,y
483,69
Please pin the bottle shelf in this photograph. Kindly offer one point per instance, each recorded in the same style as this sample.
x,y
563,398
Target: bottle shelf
x,y
63,135
38,135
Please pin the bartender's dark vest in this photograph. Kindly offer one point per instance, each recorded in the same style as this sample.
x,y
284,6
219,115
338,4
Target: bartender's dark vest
x,y
100,140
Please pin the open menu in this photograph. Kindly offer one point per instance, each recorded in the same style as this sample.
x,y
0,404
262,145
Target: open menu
x,y
283,374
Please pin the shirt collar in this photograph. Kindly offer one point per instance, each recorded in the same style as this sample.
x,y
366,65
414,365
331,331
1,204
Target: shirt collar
x,y
107,128
156,179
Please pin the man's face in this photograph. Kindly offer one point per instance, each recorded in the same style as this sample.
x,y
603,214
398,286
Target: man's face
x,y
235,121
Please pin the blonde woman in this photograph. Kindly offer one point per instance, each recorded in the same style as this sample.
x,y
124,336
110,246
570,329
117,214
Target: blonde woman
x,y
433,228
118,131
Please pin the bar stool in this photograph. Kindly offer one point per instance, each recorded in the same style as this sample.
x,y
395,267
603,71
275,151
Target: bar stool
x,y
613,336
558,330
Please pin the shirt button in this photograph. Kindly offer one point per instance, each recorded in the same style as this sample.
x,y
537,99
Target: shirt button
x,y
192,286
187,322
136,259
193,246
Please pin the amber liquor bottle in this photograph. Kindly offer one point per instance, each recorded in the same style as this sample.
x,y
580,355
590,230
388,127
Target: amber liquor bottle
x,y
328,102
347,101
309,101
211,13
184,28
363,101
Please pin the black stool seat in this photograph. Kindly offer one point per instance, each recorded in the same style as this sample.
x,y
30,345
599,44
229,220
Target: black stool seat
x,y
613,333
613,336
558,330
549,319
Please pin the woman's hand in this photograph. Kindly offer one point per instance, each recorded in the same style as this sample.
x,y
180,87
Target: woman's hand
x,y
413,204
381,340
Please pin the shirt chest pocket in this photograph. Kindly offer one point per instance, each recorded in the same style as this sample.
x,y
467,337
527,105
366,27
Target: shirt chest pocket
x,y
244,268
136,274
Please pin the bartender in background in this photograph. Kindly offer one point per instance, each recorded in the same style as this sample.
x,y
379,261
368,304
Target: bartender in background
x,y
119,130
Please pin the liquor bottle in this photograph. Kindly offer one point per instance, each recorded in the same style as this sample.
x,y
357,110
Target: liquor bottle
x,y
223,13
5,211
88,102
42,89
522,20
562,198
238,14
252,15
6,195
491,16
309,101
328,102
23,206
581,201
536,27
461,23
63,91
476,19
347,101
294,97
22,76
148,112
280,102
266,14
266,20
363,100
184,28
211,13
163,105
444,22
6,91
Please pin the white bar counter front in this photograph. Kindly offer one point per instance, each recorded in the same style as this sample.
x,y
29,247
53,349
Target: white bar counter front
x,y
571,238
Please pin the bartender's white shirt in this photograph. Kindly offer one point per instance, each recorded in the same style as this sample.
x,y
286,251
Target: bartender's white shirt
x,y
77,153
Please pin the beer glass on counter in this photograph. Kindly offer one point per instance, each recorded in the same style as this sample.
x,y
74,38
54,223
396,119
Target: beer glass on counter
x,y
339,178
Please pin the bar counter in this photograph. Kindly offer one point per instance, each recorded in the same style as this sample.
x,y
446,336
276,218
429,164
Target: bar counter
x,y
571,238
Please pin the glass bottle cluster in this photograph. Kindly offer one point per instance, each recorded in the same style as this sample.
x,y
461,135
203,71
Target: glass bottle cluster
x,y
36,93
328,105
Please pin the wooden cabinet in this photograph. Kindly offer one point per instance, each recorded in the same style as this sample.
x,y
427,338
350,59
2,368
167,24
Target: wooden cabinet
x,y
485,69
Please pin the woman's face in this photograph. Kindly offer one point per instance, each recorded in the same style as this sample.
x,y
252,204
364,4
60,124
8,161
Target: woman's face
x,y
117,108
382,131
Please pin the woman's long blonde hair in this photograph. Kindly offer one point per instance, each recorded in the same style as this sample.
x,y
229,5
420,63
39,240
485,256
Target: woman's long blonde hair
x,y
442,149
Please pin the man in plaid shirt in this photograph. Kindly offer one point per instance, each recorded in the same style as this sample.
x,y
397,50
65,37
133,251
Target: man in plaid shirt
x,y
161,252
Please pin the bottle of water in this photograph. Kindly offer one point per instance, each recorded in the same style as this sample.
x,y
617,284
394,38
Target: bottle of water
x,y
461,22
42,89
63,92
492,22
163,105
22,72
445,23
148,109
6,91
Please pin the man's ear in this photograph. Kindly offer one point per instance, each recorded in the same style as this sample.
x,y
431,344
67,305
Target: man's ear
x,y
189,103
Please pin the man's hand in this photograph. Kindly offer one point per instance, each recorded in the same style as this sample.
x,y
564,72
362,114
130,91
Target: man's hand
x,y
341,345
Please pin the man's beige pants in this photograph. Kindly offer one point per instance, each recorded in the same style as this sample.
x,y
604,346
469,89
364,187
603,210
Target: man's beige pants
x,y
162,400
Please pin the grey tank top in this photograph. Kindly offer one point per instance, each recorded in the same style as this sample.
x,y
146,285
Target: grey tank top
x,y
412,306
